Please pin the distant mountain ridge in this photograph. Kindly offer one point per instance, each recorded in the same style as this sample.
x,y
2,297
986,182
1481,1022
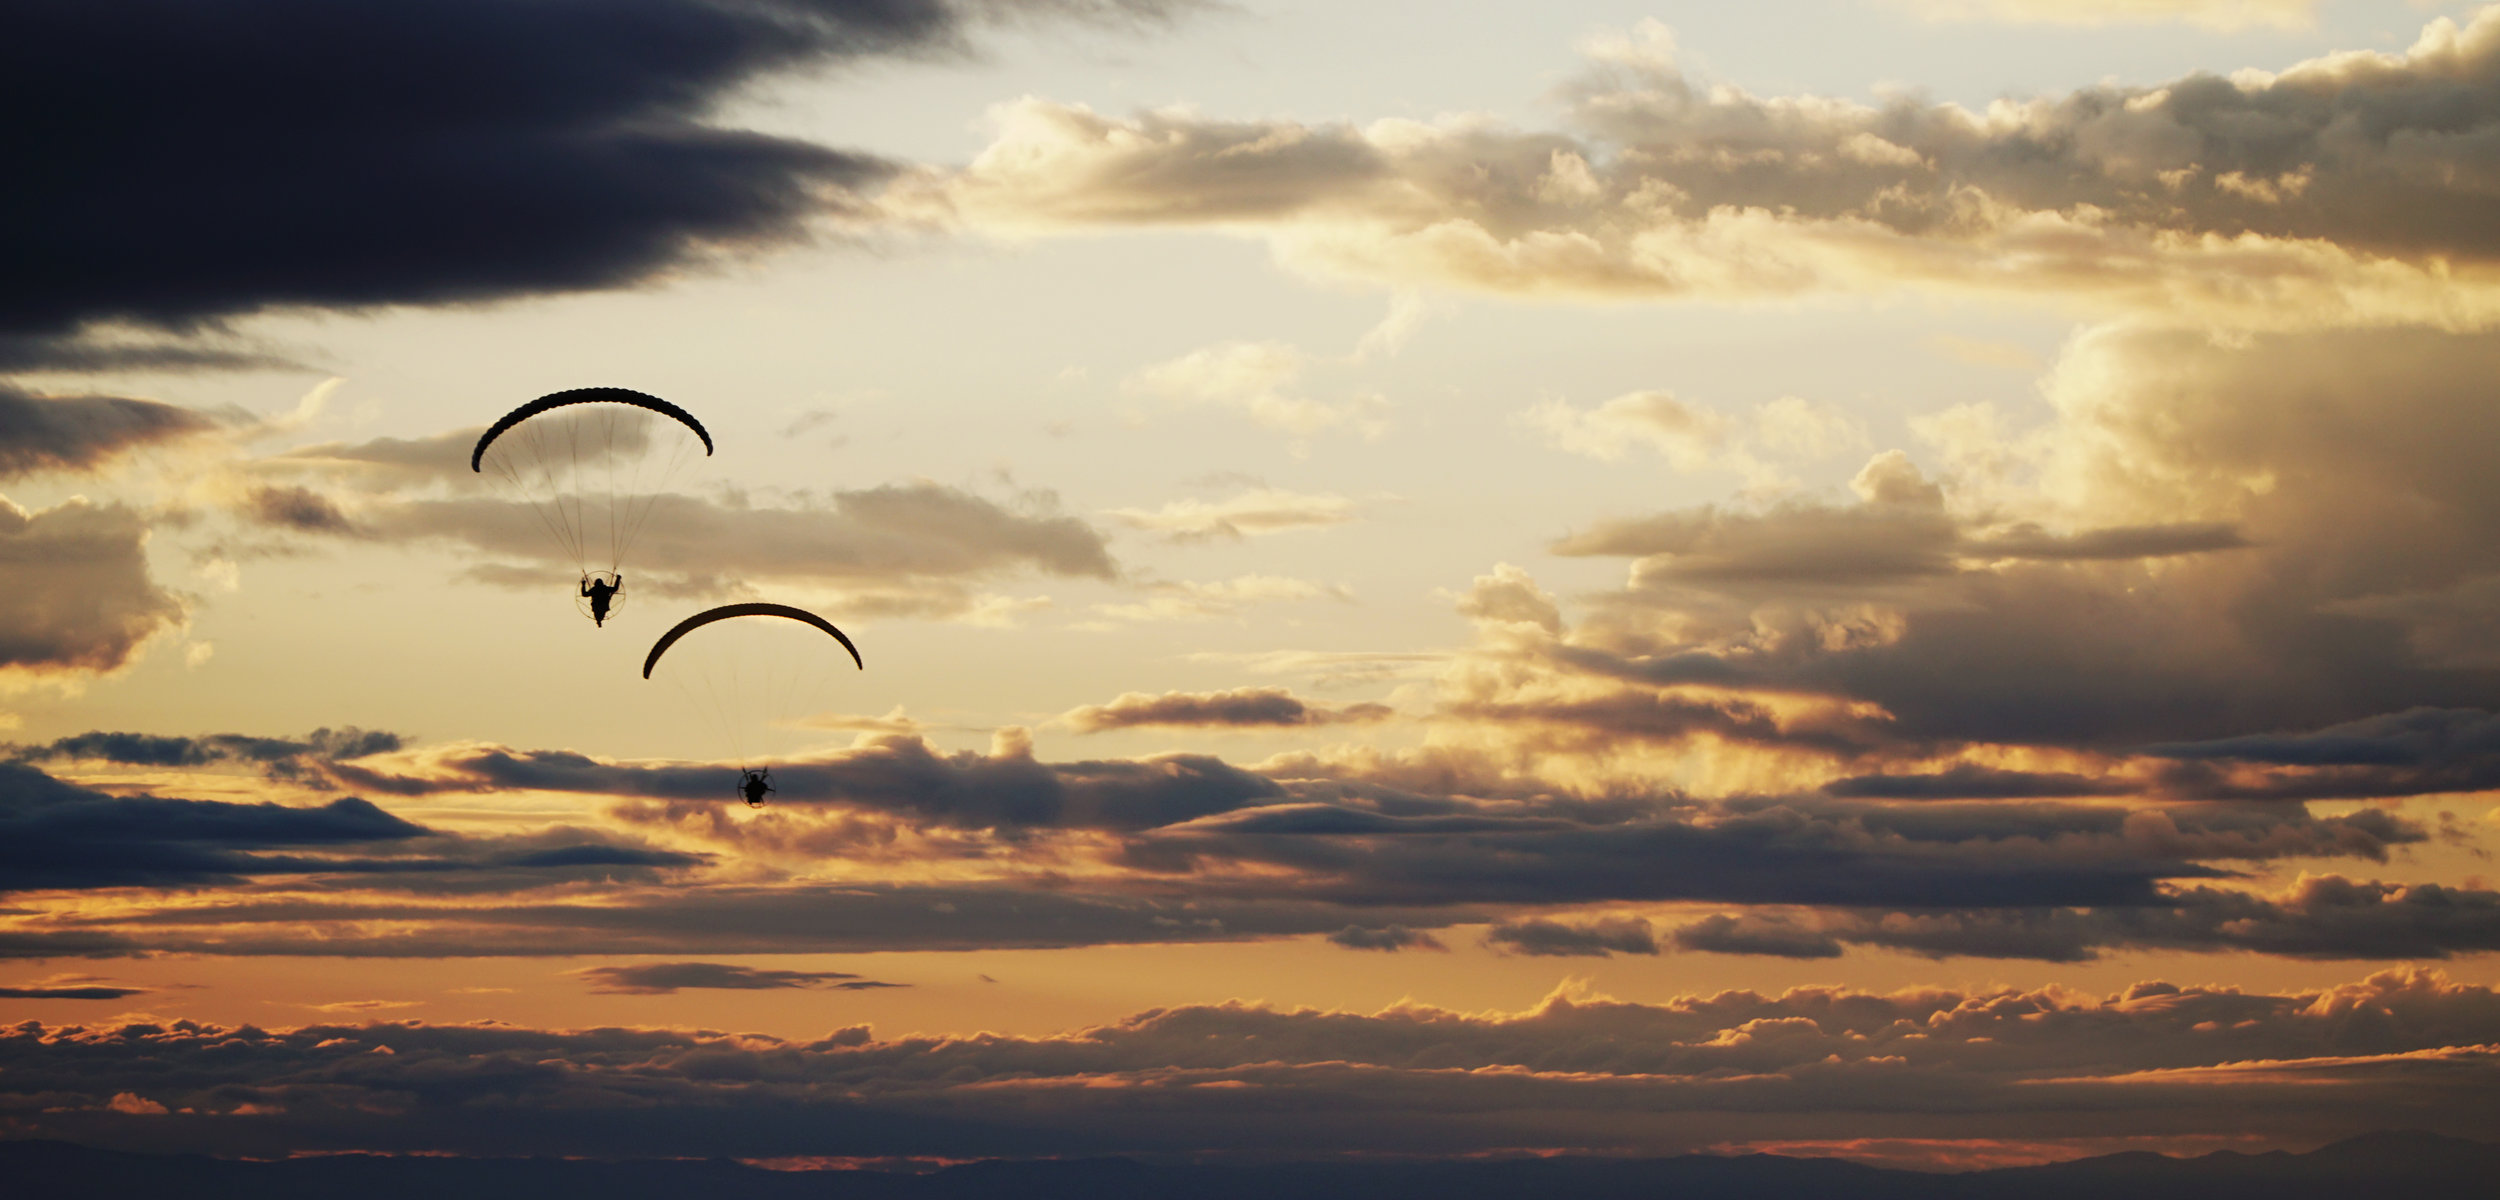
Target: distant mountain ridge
x,y
2425,1166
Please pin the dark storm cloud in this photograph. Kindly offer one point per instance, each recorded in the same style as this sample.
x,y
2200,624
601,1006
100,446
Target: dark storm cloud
x,y
79,597
52,433
1239,708
661,979
173,163
1599,938
1576,1072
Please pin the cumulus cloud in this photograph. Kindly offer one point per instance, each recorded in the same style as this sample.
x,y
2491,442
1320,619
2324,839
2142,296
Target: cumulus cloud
x,y
1239,708
2405,1047
79,597
2343,189
2180,555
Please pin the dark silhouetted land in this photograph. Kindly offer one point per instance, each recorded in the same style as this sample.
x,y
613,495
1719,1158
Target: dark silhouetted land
x,y
2417,1166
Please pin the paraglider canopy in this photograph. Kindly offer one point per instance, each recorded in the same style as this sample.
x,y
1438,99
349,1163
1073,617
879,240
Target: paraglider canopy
x,y
592,464
592,395
726,611
763,670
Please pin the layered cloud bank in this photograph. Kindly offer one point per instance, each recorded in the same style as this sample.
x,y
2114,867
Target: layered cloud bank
x,y
2040,1073
2352,188
895,845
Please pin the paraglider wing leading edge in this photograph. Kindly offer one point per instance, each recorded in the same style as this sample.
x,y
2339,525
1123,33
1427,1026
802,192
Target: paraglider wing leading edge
x,y
594,395
727,611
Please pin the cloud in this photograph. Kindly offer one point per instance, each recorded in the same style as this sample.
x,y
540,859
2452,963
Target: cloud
x,y
2416,737
1599,938
1964,781
1510,596
69,991
1694,437
1303,828
1575,1072
293,760
79,597
2345,189
1239,708
2178,556
1391,938
462,151
721,917
76,433
2212,14
896,549
1755,933
1190,600
898,774
93,351
2317,917
61,836
662,979
1249,514
1260,379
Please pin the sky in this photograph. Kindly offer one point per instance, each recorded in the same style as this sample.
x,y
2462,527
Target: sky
x,y
1900,579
